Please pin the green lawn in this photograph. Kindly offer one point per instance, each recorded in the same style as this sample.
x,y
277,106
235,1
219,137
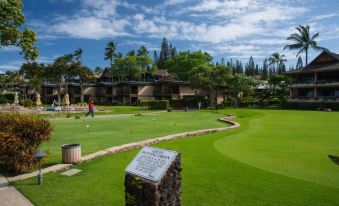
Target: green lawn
x,y
99,111
273,159
108,132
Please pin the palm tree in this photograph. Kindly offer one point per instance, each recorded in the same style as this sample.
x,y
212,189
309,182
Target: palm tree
x,y
110,53
78,55
303,41
278,59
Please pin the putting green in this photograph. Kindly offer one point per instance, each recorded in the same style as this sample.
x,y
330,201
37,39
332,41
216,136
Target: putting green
x,y
291,143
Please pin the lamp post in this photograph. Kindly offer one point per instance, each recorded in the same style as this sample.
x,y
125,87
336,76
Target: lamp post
x,y
39,155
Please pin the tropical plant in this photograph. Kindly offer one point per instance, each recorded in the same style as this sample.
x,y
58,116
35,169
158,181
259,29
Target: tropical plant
x,y
303,41
110,54
143,60
278,59
35,74
239,86
184,62
78,55
60,72
84,75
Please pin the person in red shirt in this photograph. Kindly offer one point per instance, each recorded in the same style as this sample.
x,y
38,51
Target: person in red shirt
x,y
90,109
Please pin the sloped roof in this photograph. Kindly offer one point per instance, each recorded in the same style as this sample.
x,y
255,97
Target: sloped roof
x,y
326,61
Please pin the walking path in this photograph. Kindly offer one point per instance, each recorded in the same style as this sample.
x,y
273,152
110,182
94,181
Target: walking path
x,y
10,196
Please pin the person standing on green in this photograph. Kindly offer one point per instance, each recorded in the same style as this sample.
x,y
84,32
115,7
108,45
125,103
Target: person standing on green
x,y
90,109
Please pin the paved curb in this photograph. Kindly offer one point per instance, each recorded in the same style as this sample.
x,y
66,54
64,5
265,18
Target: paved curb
x,y
130,146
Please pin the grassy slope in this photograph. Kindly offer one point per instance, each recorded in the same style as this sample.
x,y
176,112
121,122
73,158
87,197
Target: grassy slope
x,y
292,143
209,178
105,133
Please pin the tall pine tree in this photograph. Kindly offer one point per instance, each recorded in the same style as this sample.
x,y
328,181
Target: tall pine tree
x,y
264,74
155,57
299,63
164,54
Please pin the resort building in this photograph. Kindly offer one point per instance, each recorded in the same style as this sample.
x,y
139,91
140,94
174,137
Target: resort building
x,y
161,86
318,82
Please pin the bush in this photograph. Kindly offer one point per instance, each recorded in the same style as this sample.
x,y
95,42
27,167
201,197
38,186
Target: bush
x,y
77,117
155,104
6,98
169,109
68,115
311,105
26,102
188,102
20,138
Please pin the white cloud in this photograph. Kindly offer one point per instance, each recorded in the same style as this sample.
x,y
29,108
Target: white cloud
x,y
324,16
10,49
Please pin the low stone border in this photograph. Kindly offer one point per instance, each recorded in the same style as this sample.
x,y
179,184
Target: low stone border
x,y
130,146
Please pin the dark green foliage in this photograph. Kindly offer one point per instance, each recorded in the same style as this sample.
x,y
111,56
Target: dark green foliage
x,y
20,137
184,62
26,102
12,31
6,98
188,102
311,105
165,54
155,104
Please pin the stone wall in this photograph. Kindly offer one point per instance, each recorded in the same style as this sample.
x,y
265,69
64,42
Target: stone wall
x,y
167,191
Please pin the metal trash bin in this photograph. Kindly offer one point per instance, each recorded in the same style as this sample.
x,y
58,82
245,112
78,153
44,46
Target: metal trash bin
x,y
71,153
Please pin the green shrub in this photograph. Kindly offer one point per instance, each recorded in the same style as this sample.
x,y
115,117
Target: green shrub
x,y
20,137
169,109
138,114
188,102
77,117
68,115
155,104
6,98
26,102
3,99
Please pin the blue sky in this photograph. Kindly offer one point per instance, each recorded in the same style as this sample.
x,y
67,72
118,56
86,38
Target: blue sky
x,y
234,29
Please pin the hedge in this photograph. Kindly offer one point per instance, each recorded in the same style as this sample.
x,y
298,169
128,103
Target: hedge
x,y
20,138
311,105
155,104
187,102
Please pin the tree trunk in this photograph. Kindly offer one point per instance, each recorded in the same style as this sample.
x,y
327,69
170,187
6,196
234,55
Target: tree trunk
x,y
59,92
306,57
211,100
216,97
82,96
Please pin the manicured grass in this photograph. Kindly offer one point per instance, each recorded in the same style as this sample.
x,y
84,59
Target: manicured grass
x,y
99,111
210,177
108,132
292,143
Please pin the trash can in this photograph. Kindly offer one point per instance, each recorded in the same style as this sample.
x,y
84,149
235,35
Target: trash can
x,y
71,153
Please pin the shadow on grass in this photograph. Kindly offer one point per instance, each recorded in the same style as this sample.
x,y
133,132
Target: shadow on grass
x,y
334,159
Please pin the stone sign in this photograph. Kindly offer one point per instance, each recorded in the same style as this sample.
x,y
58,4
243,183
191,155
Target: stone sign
x,y
151,163
153,178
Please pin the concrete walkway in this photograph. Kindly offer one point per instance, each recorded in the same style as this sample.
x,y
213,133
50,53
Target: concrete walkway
x,y
9,196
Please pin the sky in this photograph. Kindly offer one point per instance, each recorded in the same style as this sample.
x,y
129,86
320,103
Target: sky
x,y
232,29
